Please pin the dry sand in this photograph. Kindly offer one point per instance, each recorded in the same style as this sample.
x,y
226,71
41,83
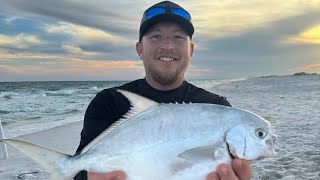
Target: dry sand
x,y
290,103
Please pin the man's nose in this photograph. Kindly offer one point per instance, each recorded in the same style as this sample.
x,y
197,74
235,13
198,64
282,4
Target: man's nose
x,y
167,43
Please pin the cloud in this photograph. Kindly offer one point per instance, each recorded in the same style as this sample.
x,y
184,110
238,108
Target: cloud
x,y
10,20
86,41
232,38
308,36
229,17
78,51
21,35
83,34
23,56
19,41
259,50
108,16
60,68
309,68
262,41
312,66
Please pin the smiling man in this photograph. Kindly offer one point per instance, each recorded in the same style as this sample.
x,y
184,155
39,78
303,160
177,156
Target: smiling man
x,y
166,49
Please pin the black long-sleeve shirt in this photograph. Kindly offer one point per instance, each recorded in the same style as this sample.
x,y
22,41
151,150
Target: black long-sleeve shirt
x,y
109,105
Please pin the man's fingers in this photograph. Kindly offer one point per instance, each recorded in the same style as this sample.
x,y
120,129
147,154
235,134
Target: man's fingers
x,y
118,175
213,176
115,175
242,169
225,172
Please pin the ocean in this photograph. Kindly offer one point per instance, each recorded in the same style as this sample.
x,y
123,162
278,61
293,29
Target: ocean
x,y
27,107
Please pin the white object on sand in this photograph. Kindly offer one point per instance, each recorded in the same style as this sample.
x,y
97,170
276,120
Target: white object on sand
x,y
3,147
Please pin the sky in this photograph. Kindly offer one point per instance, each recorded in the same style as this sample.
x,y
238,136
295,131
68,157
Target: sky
x,y
95,40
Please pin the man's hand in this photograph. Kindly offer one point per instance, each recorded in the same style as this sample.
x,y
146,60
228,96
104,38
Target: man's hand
x,y
115,175
239,170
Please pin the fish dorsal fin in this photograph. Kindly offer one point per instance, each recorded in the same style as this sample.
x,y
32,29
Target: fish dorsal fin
x,y
138,103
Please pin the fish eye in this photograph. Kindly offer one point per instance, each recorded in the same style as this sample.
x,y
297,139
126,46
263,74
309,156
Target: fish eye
x,y
260,133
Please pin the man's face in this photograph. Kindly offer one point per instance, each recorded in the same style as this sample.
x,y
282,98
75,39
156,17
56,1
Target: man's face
x,y
166,51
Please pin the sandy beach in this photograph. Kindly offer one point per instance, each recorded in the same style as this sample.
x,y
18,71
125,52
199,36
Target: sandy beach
x,y
289,103
62,138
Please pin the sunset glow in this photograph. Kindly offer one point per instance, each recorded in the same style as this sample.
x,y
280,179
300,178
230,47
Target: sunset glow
x,y
232,39
309,36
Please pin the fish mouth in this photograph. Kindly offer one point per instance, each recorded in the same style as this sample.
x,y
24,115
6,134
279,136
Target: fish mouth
x,y
231,151
270,146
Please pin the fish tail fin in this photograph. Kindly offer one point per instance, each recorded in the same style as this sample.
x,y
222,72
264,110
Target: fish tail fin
x,y
59,165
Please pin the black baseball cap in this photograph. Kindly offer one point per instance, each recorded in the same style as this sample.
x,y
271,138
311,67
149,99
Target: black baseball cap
x,y
166,11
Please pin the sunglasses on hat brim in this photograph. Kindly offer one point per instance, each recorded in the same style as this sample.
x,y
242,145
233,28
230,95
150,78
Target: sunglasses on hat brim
x,y
159,10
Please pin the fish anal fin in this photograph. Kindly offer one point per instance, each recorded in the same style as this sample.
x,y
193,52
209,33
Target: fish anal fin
x,y
176,167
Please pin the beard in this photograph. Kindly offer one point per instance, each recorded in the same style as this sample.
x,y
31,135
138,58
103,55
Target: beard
x,y
165,79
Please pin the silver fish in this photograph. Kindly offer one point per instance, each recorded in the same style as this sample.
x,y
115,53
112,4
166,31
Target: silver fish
x,y
164,141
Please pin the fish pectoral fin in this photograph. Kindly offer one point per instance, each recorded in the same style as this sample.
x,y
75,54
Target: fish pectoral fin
x,y
203,153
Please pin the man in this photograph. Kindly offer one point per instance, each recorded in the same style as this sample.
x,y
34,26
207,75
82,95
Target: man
x,y
166,49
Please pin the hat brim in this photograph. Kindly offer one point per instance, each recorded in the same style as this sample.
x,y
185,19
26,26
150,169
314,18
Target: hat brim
x,y
185,24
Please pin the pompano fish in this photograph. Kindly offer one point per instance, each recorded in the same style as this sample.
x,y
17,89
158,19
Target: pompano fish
x,y
164,141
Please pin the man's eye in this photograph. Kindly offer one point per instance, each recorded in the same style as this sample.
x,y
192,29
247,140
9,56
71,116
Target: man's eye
x,y
178,37
156,36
